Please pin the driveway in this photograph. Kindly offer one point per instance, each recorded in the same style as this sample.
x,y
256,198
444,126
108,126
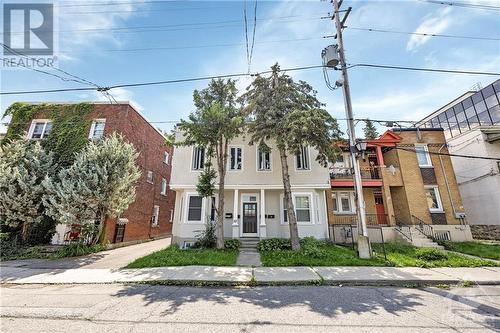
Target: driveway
x,y
112,259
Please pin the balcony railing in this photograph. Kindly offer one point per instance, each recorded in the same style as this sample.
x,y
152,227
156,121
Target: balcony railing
x,y
371,219
348,173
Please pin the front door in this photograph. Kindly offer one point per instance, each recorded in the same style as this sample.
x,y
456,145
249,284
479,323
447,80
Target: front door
x,y
379,207
249,218
119,233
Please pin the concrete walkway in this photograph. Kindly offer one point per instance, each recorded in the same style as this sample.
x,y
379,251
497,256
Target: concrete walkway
x,y
111,259
392,276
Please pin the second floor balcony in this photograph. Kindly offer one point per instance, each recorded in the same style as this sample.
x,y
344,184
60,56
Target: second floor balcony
x,y
348,173
371,176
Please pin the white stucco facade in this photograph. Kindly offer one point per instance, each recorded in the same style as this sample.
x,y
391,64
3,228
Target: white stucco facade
x,y
253,198
478,180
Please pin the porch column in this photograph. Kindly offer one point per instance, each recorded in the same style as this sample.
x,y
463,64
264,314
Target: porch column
x,y
262,227
235,225
380,156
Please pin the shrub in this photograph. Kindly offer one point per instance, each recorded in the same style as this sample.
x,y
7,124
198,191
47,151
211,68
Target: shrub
x,y
79,249
206,238
232,244
312,247
275,244
430,254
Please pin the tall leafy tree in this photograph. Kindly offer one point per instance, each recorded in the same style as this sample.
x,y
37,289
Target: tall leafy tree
x,y
370,130
215,122
99,184
23,167
289,113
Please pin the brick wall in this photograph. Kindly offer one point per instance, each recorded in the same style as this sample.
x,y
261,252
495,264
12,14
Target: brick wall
x,y
414,183
150,144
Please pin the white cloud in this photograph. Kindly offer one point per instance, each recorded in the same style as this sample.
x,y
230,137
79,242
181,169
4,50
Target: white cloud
x,y
434,23
87,18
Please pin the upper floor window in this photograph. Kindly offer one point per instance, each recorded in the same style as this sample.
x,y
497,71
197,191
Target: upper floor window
x,y
155,218
163,186
166,158
235,158
423,157
97,129
149,177
39,129
302,159
433,199
198,158
263,160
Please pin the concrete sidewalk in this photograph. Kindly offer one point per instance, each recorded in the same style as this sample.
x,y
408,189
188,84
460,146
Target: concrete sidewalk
x,y
113,259
392,276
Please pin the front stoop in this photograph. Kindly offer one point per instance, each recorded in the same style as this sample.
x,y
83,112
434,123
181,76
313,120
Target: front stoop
x,y
249,254
418,239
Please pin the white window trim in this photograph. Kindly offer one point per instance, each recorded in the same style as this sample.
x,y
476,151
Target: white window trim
x,y
336,195
308,158
156,217
186,208
166,158
257,153
92,127
311,207
32,128
440,208
164,187
152,177
192,159
229,158
427,155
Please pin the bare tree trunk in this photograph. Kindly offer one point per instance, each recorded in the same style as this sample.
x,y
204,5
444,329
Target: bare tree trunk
x,y
25,232
292,219
99,237
221,164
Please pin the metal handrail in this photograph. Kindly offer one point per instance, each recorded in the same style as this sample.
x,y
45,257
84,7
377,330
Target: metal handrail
x,y
423,227
403,228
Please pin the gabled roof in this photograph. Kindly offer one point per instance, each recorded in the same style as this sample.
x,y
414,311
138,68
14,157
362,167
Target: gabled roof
x,y
389,138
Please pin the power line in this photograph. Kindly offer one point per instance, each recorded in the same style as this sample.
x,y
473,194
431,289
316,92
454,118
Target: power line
x,y
253,35
462,4
452,155
419,34
114,3
203,78
206,46
142,10
143,27
454,71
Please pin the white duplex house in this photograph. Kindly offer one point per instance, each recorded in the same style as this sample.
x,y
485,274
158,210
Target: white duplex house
x,y
253,193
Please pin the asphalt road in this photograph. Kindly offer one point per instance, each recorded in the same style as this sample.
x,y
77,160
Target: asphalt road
x,y
144,308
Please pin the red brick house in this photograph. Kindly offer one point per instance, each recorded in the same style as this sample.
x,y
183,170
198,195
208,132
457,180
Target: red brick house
x,y
150,216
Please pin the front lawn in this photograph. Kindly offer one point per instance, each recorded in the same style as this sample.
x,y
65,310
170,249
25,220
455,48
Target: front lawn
x,y
475,248
334,255
400,255
173,256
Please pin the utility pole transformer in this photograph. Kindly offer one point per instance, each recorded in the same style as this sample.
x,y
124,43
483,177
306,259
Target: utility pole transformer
x,y
364,247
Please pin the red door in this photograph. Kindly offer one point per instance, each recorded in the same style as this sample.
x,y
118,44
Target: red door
x,y
379,207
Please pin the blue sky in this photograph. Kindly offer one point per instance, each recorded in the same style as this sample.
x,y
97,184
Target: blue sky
x,y
101,56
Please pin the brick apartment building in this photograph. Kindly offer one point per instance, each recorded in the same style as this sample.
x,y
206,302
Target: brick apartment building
x,y
150,216
408,180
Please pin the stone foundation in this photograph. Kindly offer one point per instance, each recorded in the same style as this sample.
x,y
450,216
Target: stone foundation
x,y
490,232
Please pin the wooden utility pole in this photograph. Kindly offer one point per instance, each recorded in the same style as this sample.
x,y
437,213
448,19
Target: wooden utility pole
x,y
364,248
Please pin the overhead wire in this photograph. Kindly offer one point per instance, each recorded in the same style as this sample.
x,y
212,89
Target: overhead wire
x,y
424,34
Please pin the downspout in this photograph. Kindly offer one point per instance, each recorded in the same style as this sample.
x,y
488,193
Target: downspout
x,y
446,179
